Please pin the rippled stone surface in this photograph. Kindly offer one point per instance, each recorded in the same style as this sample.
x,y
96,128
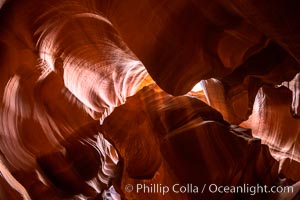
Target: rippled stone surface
x,y
271,109
86,96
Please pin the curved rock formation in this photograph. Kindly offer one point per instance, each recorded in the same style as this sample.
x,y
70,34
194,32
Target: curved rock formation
x,y
192,146
271,108
96,96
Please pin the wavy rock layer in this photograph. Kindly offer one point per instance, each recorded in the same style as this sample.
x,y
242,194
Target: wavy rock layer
x,y
77,122
272,106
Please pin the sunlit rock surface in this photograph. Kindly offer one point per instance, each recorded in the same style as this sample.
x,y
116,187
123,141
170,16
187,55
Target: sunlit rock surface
x,y
86,97
271,108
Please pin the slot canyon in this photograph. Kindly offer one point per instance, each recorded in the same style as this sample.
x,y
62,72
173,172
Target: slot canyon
x,y
149,99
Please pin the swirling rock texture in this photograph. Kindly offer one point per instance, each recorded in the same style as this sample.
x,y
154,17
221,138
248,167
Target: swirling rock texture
x,y
96,95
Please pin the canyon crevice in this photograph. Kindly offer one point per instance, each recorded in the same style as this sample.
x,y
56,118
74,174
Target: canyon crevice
x,y
99,95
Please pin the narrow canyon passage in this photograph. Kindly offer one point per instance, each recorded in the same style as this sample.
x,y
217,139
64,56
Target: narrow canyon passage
x,y
183,99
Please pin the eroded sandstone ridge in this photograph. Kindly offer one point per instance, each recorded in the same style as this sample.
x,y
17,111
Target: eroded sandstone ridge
x,y
96,95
